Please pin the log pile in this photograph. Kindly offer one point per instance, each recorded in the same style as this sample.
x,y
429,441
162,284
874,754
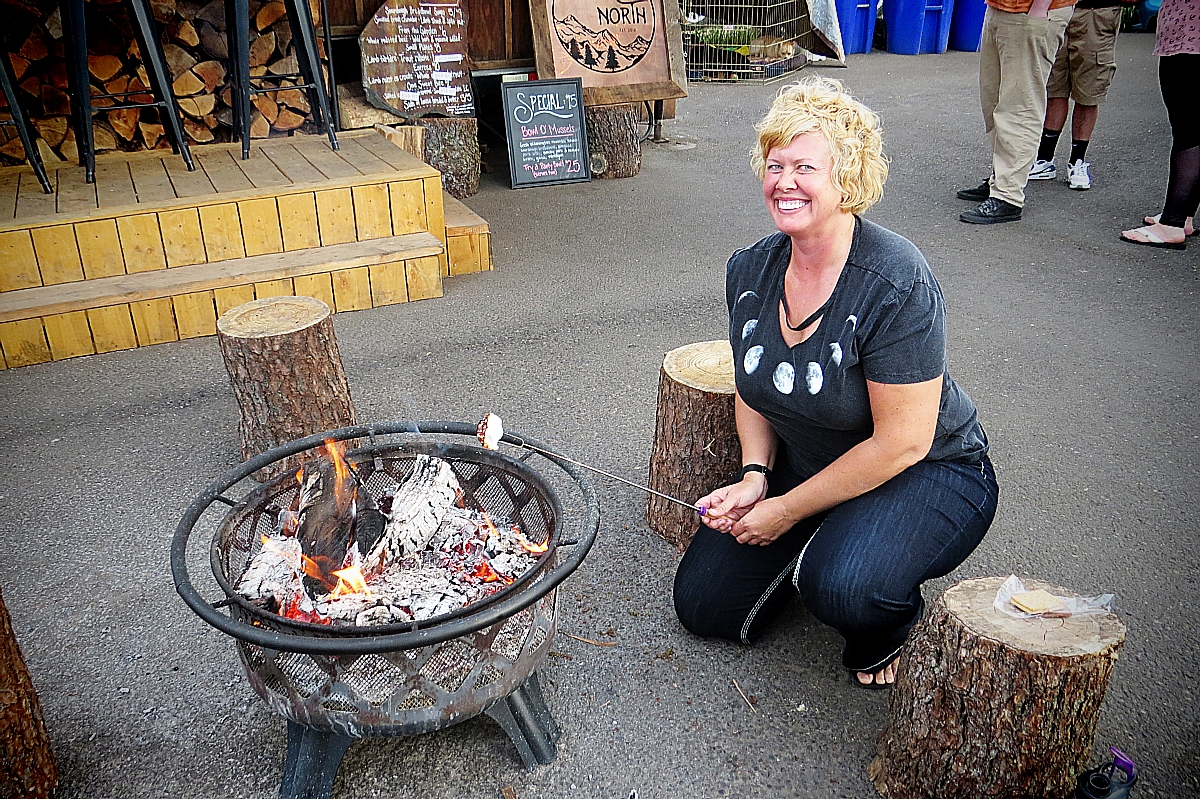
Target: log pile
x,y
196,53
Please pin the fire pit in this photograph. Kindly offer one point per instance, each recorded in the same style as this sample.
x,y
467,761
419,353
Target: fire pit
x,y
338,683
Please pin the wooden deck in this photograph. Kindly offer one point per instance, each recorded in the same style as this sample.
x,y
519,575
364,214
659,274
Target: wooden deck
x,y
151,252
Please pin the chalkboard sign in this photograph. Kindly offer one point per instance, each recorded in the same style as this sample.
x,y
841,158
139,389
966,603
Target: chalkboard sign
x,y
414,59
547,137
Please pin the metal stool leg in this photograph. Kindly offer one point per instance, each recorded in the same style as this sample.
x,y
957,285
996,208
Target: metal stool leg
x,y
22,124
75,29
237,29
160,82
304,36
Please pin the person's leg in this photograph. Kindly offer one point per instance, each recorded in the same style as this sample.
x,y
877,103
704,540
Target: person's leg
x,y
862,570
1058,90
1176,76
724,589
1095,32
1027,47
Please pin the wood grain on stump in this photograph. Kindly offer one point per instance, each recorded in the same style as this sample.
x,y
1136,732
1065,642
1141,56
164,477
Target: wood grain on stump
x,y
987,705
283,362
613,134
696,448
27,766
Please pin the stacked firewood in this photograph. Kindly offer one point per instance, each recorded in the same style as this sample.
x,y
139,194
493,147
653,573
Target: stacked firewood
x,y
196,53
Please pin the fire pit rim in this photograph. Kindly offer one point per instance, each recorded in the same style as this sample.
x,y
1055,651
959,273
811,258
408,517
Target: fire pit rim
x,y
455,628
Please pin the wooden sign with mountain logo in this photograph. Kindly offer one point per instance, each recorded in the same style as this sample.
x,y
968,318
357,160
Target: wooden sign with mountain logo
x,y
622,50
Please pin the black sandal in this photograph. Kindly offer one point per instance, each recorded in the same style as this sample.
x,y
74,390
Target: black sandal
x,y
872,685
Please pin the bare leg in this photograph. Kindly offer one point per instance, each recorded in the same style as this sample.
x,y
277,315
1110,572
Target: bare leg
x,y
1083,121
1056,113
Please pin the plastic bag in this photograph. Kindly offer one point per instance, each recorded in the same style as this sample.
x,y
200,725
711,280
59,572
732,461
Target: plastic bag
x,y
1071,605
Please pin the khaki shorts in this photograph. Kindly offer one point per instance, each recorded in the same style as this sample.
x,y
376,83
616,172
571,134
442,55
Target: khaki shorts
x,y
1087,60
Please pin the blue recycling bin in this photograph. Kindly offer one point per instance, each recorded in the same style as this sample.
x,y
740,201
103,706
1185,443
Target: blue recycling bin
x,y
856,20
917,26
966,25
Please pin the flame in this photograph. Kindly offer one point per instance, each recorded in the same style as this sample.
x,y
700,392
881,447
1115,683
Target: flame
x,y
350,581
529,546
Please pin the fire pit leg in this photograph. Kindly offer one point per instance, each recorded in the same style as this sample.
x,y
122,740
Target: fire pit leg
x,y
313,757
524,716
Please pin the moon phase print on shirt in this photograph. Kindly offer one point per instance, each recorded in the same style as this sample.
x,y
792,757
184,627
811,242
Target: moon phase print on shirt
x,y
784,378
813,377
750,362
748,328
835,353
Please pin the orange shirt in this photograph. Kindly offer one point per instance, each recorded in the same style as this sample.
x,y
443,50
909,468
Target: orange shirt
x,y
1022,6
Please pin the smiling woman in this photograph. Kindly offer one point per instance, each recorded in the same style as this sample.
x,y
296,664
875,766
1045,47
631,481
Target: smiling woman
x,y
865,466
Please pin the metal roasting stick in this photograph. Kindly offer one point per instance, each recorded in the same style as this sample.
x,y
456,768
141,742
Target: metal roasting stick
x,y
520,442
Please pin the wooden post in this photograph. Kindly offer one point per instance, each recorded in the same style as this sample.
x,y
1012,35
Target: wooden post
x,y
283,362
612,134
696,447
27,766
990,705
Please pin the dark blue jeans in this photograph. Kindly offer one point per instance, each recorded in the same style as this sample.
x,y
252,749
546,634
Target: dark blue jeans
x,y
858,567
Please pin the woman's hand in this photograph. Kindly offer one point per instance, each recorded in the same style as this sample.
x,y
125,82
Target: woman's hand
x,y
765,522
730,503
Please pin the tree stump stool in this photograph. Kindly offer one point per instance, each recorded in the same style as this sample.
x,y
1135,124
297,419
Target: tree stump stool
x,y
696,448
27,766
987,705
452,148
613,140
283,362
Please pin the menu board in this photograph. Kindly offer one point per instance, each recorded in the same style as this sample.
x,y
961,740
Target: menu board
x,y
414,59
547,136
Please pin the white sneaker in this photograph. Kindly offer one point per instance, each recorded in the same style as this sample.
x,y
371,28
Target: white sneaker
x,y
1079,175
1043,170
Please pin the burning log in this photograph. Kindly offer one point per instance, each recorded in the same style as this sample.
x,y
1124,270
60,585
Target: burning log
x,y
327,505
415,511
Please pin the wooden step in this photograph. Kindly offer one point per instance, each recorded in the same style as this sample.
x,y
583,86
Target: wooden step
x,y
468,238
146,212
129,310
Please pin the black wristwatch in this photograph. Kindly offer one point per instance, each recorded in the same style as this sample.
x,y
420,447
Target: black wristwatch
x,y
756,467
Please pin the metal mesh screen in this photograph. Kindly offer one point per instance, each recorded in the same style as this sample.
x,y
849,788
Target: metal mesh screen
x,y
745,40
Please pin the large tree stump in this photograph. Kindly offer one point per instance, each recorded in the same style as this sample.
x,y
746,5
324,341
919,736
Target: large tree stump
x,y
696,447
986,705
613,139
283,362
452,148
27,766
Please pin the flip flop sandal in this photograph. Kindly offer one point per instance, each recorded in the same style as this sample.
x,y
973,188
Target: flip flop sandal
x,y
1153,240
1153,220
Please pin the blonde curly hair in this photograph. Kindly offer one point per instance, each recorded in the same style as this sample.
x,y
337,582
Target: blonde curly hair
x,y
818,104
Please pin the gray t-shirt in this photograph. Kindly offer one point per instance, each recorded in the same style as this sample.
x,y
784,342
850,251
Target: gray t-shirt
x,y
886,322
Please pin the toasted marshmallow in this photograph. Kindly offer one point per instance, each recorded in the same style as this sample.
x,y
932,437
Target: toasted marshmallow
x,y
490,431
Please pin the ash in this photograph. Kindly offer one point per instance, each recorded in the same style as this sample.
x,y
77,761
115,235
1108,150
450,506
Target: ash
x,y
432,558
